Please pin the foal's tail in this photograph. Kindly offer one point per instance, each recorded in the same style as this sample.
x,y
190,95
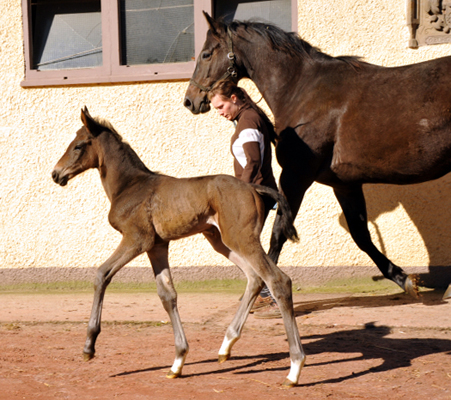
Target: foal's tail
x,y
283,210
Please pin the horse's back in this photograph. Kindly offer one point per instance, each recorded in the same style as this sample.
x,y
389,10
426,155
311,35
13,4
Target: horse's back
x,y
384,124
180,207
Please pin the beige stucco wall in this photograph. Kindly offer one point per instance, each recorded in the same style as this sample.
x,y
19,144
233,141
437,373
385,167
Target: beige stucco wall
x,y
44,225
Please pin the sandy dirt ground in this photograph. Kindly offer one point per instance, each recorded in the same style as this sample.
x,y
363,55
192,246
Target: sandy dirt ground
x,y
358,347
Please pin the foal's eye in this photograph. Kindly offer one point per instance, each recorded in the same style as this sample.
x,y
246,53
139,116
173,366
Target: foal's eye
x,y
206,55
79,146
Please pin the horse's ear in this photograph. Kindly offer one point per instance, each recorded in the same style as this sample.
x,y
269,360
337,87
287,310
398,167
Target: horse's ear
x,y
90,124
215,26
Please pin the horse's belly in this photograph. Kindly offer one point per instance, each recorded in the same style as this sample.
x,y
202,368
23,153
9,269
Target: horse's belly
x,y
388,170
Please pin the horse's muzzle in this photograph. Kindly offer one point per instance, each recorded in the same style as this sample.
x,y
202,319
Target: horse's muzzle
x,y
204,106
58,179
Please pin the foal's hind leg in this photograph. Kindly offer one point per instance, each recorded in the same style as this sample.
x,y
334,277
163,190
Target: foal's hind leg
x,y
123,255
159,258
447,294
242,246
279,285
253,288
352,202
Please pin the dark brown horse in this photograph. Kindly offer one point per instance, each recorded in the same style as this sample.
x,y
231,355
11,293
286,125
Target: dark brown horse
x,y
340,121
151,209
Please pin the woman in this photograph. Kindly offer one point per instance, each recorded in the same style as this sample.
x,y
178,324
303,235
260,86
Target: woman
x,y
251,149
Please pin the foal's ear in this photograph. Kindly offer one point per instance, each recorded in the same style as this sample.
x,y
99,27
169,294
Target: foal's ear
x,y
90,124
215,26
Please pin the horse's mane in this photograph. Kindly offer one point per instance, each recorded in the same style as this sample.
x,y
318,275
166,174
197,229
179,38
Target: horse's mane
x,y
123,145
289,42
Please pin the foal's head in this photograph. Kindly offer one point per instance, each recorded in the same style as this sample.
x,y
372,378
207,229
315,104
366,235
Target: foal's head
x,y
81,154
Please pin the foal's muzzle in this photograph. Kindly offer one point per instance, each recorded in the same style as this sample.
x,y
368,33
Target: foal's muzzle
x,y
60,180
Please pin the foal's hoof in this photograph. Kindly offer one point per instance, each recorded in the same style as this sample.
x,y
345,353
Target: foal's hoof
x,y
223,357
173,375
447,294
87,356
287,384
411,286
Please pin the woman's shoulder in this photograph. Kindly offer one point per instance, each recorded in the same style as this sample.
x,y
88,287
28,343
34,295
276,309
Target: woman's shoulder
x,y
249,118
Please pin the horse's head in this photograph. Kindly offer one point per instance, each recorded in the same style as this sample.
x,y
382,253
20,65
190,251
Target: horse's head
x,y
80,155
217,61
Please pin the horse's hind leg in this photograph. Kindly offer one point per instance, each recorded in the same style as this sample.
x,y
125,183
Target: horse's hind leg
x,y
352,202
244,249
279,285
447,294
123,255
253,288
159,258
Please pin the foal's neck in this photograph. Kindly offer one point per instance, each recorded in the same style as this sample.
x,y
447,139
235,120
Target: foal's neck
x,y
119,165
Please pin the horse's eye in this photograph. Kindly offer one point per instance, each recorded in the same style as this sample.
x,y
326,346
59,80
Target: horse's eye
x,y
79,146
206,55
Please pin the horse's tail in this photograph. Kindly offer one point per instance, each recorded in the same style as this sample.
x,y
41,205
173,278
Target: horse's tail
x,y
283,210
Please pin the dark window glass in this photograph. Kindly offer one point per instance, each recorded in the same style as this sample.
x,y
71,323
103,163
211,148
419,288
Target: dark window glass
x,y
66,34
156,31
275,11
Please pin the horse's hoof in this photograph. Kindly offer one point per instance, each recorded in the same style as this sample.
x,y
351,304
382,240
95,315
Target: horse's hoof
x,y
87,356
173,375
411,286
287,384
447,294
223,357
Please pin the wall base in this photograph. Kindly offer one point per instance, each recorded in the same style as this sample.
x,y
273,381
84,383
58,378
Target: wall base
x,y
434,277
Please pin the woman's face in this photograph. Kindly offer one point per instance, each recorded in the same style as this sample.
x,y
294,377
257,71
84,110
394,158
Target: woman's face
x,y
227,108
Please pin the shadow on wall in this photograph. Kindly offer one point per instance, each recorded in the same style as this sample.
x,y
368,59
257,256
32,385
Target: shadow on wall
x,y
428,205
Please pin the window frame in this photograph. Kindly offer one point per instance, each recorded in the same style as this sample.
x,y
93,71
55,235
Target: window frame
x,y
111,71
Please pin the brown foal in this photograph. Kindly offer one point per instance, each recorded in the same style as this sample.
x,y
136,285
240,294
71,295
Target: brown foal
x,y
151,209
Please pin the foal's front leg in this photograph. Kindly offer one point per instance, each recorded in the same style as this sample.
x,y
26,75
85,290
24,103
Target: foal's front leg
x,y
159,259
123,255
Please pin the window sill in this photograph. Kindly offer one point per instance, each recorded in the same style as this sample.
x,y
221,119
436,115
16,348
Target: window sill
x,y
123,74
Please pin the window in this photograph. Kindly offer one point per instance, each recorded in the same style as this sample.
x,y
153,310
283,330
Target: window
x,y
170,24
101,41
280,12
79,24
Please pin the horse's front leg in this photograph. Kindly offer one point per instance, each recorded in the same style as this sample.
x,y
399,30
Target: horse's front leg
x,y
159,259
123,255
293,186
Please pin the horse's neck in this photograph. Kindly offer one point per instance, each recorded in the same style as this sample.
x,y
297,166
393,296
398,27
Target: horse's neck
x,y
116,169
277,78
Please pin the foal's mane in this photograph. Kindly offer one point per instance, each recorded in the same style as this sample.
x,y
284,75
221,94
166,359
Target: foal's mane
x,y
124,147
289,42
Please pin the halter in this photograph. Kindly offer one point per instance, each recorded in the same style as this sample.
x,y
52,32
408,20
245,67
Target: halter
x,y
231,70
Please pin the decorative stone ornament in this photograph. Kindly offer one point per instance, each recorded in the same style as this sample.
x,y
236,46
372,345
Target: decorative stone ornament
x,y
429,22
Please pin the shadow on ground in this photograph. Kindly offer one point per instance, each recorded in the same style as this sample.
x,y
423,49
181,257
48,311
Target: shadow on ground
x,y
428,298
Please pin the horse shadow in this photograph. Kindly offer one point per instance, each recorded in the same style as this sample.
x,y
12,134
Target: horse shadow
x,y
427,298
371,343
427,205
